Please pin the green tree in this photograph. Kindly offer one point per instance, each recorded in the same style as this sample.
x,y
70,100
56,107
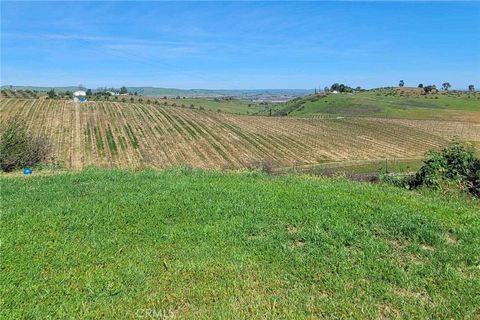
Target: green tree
x,y
428,89
420,85
123,90
446,86
471,88
401,83
51,94
340,87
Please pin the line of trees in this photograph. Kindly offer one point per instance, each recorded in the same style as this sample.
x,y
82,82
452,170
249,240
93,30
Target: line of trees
x,y
445,86
340,87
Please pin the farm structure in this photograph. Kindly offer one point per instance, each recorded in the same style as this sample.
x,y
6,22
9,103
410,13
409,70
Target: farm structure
x,y
128,135
79,96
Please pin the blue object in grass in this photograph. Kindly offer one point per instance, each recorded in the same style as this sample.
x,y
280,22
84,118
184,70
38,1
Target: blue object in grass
x,y
27,171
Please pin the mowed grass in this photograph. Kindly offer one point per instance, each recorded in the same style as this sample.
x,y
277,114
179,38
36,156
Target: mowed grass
x,y
208,245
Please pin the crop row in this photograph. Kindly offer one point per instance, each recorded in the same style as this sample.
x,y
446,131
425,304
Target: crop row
x,y
110,134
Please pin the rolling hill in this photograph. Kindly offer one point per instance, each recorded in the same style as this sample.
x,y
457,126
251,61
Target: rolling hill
x,y
126,135
408,103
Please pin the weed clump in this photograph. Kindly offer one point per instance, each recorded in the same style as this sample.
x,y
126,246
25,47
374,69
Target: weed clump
x,y
265,166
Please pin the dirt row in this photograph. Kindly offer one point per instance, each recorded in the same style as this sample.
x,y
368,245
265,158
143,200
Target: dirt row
x,y
109,134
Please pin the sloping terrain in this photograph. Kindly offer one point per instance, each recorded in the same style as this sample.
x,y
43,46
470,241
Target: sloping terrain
x,y
405,103
208,245
109,134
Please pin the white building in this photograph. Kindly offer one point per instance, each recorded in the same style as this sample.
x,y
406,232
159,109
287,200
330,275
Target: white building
x,y
79,96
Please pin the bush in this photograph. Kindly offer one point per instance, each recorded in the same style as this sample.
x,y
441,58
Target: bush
x,y
473,180
456,164
20,149
265,166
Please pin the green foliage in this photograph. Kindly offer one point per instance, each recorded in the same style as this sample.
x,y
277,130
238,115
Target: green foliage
x,y
131,136
429,89
111,141
98,139
68,94
51,94
18,148
211,245
340,88
455,165
410,103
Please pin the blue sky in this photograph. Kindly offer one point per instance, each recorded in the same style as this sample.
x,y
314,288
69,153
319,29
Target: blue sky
x,y
240,45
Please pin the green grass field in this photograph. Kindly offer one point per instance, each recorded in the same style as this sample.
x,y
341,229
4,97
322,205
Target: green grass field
x,y
407,103
236,106
209,245
391,103
373,167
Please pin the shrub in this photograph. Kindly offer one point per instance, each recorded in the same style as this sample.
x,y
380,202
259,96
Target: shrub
x,y
456,164
265,166
20,149
473,180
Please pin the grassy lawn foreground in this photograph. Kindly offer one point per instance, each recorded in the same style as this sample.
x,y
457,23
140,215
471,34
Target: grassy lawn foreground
x,y
193,244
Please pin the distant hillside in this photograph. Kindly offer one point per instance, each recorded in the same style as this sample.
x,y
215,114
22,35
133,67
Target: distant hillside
x,y
172,92
152,91
59,89
409,103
